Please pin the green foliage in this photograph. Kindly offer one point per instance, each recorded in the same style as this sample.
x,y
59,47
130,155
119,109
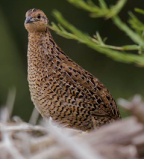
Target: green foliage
x,y
99,11
136,24
119,53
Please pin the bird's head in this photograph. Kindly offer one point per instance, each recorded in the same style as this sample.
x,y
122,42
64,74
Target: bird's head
x,y
36,21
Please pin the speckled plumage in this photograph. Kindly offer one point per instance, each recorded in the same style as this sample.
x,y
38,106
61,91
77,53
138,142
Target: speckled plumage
x,y
59,87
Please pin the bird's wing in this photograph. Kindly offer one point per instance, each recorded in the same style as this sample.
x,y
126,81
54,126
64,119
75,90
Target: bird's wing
x,y
100,96
83,86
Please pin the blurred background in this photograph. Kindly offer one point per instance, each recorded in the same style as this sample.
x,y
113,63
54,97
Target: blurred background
x,y
122,80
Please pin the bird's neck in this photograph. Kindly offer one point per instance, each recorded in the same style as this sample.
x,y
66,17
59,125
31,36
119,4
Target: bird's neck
x,y
42,47
38,34
36,39
38,42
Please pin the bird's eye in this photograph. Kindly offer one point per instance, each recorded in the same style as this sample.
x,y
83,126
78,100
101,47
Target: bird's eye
x,y
39,16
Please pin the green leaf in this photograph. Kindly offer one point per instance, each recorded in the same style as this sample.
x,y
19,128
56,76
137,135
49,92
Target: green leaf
x,y
141,11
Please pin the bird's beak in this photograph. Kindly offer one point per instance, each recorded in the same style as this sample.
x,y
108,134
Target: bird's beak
x,y
29,19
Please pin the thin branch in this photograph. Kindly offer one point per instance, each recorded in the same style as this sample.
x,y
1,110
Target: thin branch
x,y
68,31
76,34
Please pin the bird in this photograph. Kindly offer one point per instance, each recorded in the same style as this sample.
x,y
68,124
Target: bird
x,y
61,89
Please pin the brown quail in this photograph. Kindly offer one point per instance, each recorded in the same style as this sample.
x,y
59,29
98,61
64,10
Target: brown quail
x,y
59,87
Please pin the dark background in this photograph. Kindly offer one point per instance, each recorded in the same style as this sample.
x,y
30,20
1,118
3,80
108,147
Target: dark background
x,y
123,80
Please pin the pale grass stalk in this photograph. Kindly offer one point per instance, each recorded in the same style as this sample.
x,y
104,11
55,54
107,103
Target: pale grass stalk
x,y
10,100
34,117
48,153
79,150
9,146
22,127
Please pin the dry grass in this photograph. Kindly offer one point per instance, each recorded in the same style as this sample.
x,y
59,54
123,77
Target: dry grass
x,y
120,140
